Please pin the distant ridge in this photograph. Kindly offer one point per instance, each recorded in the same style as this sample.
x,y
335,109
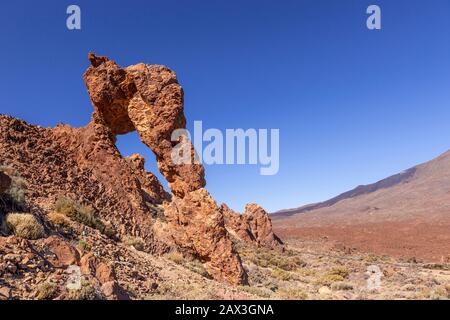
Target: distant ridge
x,y
391,181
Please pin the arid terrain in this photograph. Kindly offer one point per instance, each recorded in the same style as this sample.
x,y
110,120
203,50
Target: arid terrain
x,y
404,216
79,221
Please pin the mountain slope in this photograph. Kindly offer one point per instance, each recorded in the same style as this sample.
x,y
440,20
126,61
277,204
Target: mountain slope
x,y
407,214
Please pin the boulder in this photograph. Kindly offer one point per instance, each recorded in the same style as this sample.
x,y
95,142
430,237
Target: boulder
x,y
253,227
64,254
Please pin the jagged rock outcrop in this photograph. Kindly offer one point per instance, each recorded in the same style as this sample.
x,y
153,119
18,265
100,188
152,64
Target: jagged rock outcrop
x,y
198,226
148,99
83,164
254,226
5,182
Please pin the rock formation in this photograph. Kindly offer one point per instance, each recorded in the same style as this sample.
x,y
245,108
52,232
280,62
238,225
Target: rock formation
x,y
148,99
254,226
84,164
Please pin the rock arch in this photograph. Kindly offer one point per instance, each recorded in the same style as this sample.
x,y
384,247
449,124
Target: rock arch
x,y
148,99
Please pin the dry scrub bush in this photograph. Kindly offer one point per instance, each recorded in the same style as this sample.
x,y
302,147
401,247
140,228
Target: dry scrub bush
x,y
135,242
46,291
25,225
259,292
84,246
17,189
59,220
176,257
83,214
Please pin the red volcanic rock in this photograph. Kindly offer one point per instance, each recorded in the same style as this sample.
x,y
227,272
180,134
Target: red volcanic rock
x,y
83,164
254,226
148,99
198,226
261,225
5,182
237,224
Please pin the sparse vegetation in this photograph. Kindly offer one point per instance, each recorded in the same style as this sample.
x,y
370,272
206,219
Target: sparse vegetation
x,y
338,286
335,274
259,292
59,220
83,214
272,259
84,246
135,242
46,291
25,225
86,292
176,257
281,274
197,267
17,190
157,211
193,265
292,294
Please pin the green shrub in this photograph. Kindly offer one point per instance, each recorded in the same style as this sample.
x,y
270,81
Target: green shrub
x,y
25,225
338,286
46,291
17,189
281,274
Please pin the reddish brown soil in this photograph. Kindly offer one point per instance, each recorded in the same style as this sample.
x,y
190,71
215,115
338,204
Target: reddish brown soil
x,y
406,239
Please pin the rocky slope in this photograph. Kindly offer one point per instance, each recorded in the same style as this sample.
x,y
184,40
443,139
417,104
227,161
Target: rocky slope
x,y
404,215
68,182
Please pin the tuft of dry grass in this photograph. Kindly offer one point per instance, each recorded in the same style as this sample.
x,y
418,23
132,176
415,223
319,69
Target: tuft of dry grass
x,y
176,257
341,286
25,225
292,294
83,214
335,274
281,274
18,186
256,291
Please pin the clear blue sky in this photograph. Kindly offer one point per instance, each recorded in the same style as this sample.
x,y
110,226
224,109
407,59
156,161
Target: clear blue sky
x,y
352,105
